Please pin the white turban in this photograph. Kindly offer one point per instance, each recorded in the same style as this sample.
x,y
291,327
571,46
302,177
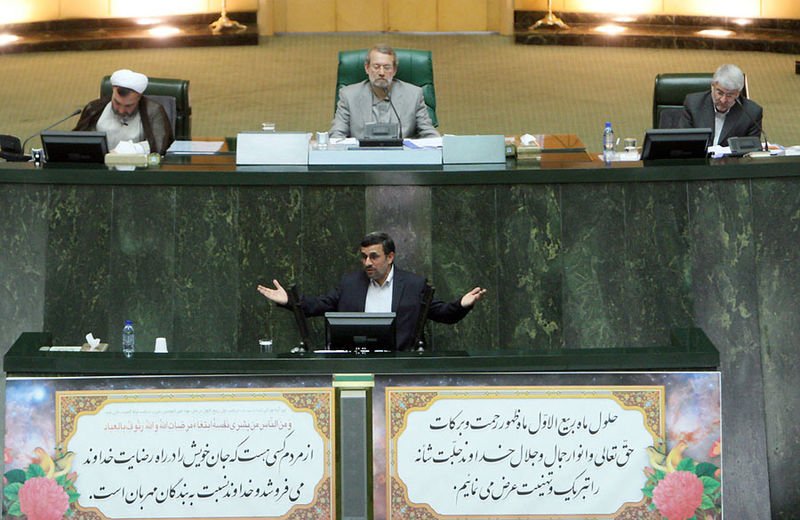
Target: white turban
x,y
129,79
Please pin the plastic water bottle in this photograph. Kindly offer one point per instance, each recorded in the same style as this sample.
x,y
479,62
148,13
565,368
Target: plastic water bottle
x,y
608,143
128,344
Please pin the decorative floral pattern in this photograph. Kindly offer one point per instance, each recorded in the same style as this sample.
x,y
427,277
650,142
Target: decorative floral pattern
x,y
320,508
649,402
41,498
71,407
680,489
317,402
677,495
44,490
402,509
401,403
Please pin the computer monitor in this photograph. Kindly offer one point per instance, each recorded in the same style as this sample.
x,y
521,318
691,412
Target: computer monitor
x,y
75,147
676,143
360,330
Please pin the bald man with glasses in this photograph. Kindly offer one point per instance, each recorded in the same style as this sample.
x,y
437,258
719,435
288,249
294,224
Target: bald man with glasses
x,y
368,101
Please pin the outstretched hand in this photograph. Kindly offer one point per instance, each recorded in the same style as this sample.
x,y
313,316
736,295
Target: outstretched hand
x,y
469,299
277,295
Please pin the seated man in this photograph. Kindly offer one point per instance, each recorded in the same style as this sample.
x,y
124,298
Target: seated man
x,y
128,115
368,101
721,110
381,288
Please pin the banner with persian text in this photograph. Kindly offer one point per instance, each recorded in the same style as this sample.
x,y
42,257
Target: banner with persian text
x,y
463,448
140,453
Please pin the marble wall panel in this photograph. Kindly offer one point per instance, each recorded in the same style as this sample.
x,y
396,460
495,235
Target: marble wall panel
x,y
464,256
529,252
405,213
333,224
23,242
270,247
725,303
776,218
593,234
658,286
206,269
142,264
77,284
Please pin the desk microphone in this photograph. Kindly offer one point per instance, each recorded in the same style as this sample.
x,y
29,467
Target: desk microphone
x,y
760,128
399,123
78,111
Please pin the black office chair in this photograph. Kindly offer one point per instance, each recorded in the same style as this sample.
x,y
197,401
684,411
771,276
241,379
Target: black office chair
x,y
173,95
413,66
671,89
11,149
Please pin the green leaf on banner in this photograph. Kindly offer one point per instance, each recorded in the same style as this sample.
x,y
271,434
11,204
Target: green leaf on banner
x,y
14,509
686,464
705,469
707,503
15,475
34,470
12,491
710,484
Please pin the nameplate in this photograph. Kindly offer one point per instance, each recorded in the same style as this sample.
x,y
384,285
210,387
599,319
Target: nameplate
x,y
473,149
254,148
344,155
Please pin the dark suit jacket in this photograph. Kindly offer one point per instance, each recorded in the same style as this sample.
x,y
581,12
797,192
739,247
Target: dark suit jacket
x,y
407,291
155,121
698,112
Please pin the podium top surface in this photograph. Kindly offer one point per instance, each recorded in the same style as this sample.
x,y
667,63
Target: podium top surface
x,y
688,349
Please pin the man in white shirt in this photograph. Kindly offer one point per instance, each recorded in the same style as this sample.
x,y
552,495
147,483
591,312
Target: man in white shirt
x,y
127,115
380,287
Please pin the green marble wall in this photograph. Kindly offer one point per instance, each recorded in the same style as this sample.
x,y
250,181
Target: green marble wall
x,y
567,265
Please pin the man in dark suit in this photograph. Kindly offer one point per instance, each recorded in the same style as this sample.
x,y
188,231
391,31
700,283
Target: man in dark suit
x,y
721,109
381,287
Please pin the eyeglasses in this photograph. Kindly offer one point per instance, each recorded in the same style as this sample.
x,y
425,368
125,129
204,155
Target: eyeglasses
x,y
730,94
377,66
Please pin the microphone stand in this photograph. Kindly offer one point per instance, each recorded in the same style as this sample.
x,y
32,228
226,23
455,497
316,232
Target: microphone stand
x,y
399,123
78,111
751,118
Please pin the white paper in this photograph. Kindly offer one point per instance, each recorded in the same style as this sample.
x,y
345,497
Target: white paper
x,y
424,142
348,141
195,147
528,140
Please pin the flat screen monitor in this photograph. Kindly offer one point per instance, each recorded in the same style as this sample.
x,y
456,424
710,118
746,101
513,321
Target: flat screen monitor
x,y
74,147
676,143
360,331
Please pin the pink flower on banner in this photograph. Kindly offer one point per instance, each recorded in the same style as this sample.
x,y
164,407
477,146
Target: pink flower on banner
x,y
7,456
678,495
41,498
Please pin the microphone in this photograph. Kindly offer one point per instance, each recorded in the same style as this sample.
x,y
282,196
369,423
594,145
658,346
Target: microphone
x,y
760,128
399,123
78,111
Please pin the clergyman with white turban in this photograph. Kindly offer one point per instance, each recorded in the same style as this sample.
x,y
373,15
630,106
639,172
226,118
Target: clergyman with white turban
x,y
127,115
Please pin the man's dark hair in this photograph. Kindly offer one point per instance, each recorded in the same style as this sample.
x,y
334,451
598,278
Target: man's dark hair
x,y
124,91
378,237
383,48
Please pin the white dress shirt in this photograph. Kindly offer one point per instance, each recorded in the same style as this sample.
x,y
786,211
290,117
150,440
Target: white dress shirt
x,y
379,297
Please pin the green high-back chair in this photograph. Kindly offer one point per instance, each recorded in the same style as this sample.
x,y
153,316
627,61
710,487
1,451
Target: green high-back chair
x,y
413,66
173,94
671,89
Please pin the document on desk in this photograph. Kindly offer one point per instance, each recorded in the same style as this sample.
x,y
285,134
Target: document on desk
x,y
423,142
195,147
